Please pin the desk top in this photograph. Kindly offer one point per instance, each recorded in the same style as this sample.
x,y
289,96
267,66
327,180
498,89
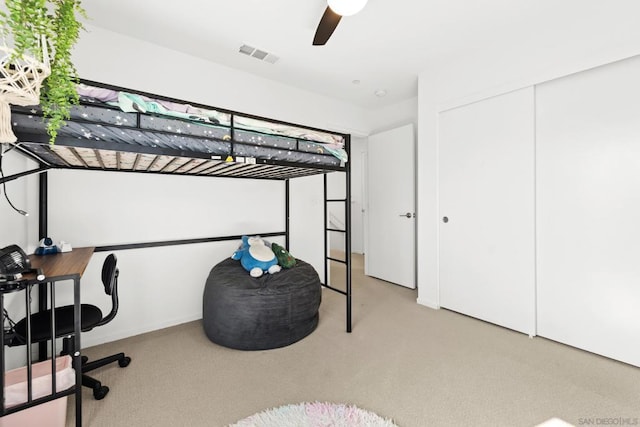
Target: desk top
x,y
63,264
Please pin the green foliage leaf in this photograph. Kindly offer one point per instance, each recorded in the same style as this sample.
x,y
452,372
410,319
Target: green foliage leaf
x,y
27,21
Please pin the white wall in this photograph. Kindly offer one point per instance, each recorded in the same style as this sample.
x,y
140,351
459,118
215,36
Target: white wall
x,y
483,74
159,286
15,226
14,229
393,116
109,57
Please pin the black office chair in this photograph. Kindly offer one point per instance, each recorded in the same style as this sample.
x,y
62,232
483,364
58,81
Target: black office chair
x,y
91,316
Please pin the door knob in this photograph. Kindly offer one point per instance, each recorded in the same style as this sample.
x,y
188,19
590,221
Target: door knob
x,y
408,215
445,219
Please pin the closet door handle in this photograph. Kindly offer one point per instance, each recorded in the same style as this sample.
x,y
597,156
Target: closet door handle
x,y
445,219
408,215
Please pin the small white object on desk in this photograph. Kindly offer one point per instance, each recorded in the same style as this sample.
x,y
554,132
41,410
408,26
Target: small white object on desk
x,y
64,246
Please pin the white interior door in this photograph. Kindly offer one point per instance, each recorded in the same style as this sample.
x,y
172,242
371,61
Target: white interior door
x,y
588,139
486,193
390,251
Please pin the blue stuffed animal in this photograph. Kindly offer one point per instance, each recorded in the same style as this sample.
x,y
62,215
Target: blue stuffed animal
x,y
256,257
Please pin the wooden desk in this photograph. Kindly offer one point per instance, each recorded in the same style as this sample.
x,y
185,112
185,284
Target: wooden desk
x,y
55,267
63,264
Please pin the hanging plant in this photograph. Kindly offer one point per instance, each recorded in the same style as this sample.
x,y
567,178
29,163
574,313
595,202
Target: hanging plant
x,y
46,30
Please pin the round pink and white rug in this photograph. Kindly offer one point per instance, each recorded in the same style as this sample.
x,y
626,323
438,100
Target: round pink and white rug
x,y
315,414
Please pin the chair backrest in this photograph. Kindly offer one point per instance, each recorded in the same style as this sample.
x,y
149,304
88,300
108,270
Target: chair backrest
x,y
110,273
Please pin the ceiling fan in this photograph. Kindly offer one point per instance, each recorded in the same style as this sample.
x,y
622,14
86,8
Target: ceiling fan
x,y
332,15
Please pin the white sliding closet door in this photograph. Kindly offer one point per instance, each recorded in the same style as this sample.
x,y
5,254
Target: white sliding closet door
x,y
486,192
588,163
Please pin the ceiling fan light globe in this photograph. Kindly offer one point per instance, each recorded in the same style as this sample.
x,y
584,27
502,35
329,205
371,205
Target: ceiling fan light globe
x,y
347,7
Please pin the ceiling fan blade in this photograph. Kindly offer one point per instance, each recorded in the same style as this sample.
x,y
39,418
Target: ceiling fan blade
x,y
327,25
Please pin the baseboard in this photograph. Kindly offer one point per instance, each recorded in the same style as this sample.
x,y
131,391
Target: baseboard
x,y
427,303
89,341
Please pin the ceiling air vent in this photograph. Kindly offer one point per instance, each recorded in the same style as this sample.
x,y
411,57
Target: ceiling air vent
x,y
258,54
247,50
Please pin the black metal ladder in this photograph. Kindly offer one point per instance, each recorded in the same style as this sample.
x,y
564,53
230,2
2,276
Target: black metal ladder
x,y
346,202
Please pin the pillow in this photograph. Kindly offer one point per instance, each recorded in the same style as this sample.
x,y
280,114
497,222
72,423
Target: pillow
x,y
285,260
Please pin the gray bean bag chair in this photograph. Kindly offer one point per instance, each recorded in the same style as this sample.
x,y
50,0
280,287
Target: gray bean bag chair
x,y
271,311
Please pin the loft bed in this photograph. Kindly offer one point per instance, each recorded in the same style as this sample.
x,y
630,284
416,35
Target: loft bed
x,y
118,129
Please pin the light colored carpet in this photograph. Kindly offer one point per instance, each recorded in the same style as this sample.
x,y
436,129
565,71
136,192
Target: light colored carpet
x,y
403,361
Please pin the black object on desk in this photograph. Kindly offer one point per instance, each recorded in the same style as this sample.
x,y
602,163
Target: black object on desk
x,y
14,263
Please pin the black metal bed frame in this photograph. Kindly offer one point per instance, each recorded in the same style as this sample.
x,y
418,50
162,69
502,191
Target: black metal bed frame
x,y
263,168
289,170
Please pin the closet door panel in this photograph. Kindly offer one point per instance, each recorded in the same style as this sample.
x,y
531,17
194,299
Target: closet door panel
x,y
486,191
588,211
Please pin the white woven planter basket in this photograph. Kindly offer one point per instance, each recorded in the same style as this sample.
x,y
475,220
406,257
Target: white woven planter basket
x,y
20,82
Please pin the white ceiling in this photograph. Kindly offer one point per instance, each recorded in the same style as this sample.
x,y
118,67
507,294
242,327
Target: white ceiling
x,y
384,47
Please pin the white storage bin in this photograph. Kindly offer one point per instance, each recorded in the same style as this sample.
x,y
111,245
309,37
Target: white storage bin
x,y
50,414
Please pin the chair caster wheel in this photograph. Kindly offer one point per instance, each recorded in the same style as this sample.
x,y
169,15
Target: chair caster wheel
x,y
99,392
124,362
